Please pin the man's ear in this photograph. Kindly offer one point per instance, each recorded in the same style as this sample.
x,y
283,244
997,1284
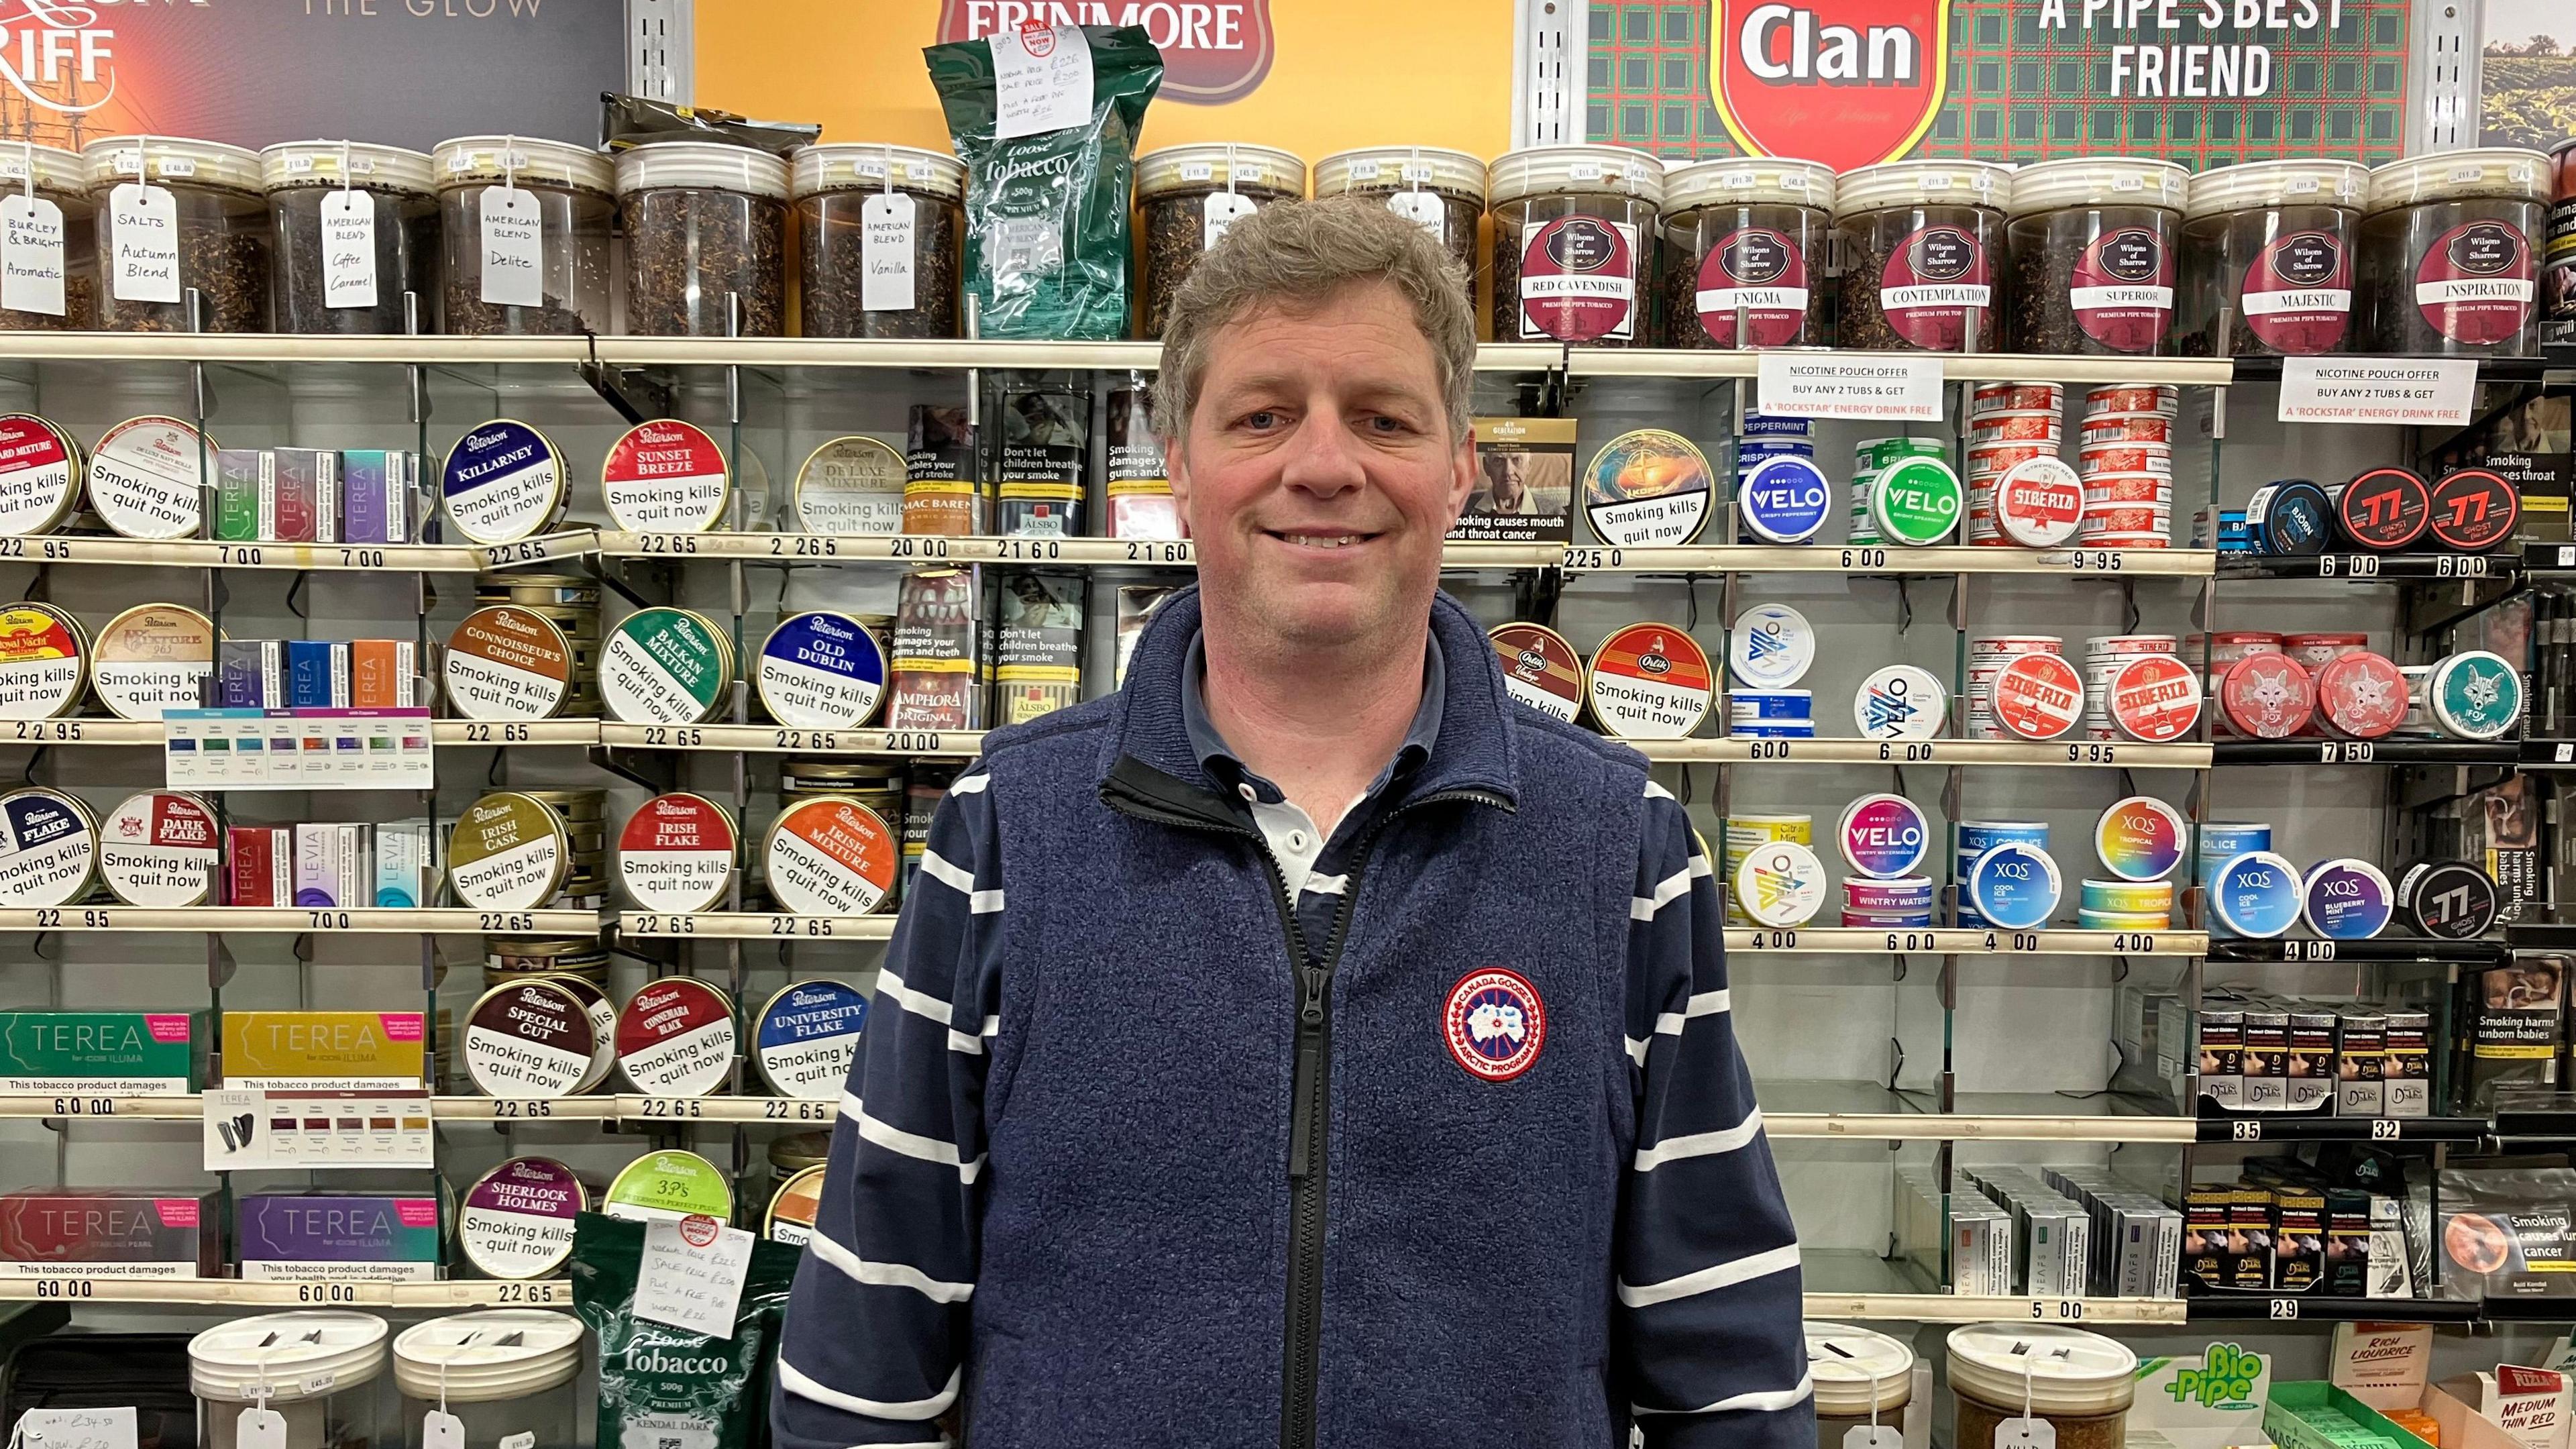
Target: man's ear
x,y
1176,468
1462,476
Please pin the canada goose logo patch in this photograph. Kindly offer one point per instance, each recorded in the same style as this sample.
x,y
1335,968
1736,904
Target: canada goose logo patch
x,y
1494,1024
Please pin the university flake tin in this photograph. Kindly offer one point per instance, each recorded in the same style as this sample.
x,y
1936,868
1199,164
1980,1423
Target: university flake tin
x,y
821,670
48,847
516,1221
2255,895
2289,518
676,1038
152,658
2362,695
528,1039
507,662
666,1185
665,666
2014,886
41,470
2037,696
2474,696
144,477
2266,696
1884,836
1540,669
1780,884
2473,510
829,855
2448,900
159,850
501,482
806,1038
2347,900
509,851
1649,682
2140,838
43,663
1785,499
677,853
1646,488
1900,702
2153,698
1916,501
793,1208
852,484
2383,508
2039,502
665,476
1770,647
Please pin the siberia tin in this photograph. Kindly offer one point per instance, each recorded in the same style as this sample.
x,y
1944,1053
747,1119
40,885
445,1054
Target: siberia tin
x,y
807,1037
677,854
665,476
159,849
507,662
1649,682
2039,502
1540,669
2038,696
2154,698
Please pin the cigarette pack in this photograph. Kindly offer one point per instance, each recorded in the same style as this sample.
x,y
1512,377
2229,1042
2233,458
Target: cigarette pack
x,y
2406,1071
125,1232
357,878
323,1050
402,864
2361,1054
250,673
116,1053
2311,1086
261,865
336,1237
2222,1057
317,672
382,673
317,866
2267,1057
245,493
2298,1238
2208,1258
375,493
1981,1249
304,476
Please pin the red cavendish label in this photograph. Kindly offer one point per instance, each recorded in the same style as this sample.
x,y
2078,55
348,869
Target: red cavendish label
x,y
1761,272
2475,285
1494,1024
2123,290
1578,280
1932,285
2385,508
2474,509
2298,294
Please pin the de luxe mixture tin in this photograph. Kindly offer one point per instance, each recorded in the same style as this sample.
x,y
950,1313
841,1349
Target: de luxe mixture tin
x,y
1785,499
159,849
821,670
677,854
516,1221
830,855
145,476
2014,886
807,1037
665,476
793,1208
2447,900
1770,647
152,658
668,1184
665,666
2140,838
41,471
2473,510
507,662
2475,696
44,661
1647,488
2347,900
2382,509
509,851
851,484
675,1038
1649,682
527,1039
1900,702
48,848
502,482
1540,669
2256,895
1884,836
1781,884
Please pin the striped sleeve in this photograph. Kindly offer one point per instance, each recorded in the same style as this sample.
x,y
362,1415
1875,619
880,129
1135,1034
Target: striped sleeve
x,y
1709,1306
875,1341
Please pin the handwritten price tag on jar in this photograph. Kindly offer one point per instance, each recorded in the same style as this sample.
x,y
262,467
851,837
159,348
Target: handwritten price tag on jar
x,y
1892,388
2377,390
78,1428
145,222
349,249
692,1274
31,258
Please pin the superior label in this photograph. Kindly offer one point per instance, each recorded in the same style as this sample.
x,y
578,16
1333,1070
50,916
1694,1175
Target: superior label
x,y
831,857
808,1037
821,670
662,666
1579,280
144,476
158,849
2123,290
41,669
665,476
517,1222
47,849
676,854
502,482
1650,682
37,474
528,1039
676,1038
507,663
1647,488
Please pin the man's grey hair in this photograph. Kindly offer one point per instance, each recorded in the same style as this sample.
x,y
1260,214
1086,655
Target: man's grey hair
x,y
1297,254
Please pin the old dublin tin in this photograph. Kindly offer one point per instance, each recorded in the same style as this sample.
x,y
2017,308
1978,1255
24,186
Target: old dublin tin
x,y
1770,647
665,476
821,670
1540,669
2473,510
516,1221
2255,895
1900,702
2141,838
2347,900
1780,884
677,854
807,1036
2448,900
527,1039
509,851
41,470
675,1038
152,658
2382,508
501,482
507,662
1649,682
44,662
2475,696
851,485
144,478
665,666
48,848
1884,836
830,855
158,849
668,1184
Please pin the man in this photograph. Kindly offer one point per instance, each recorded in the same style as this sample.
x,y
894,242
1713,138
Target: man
x,y
1304,1045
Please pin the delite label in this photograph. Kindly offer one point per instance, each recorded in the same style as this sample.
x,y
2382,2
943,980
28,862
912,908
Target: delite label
x,y
2038,696
1579,280
144,477
35,474
821,671
1650,682
528,1039
675,1038
2298,294
41,669
501,482
831,858
2475,285
808,1037
662,666
506,663
1937,277
2123,291
159,850
665,476
518,1221
676,854
1760,271
47,849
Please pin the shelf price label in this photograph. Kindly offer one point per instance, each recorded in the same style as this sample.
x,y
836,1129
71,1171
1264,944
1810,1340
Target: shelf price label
x,y
658,925
2415,391
1884,388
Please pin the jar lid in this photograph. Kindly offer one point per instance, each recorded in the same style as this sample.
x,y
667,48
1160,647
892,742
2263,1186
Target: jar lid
x,y
56,168
479,161
302,1355
1376,169
298,164
2305,182
1855,1370
111,159
2067,1370
2503,172
707,164
858,166
497,1353
1923,183
1750,180
1216,163
2098,181
1562,170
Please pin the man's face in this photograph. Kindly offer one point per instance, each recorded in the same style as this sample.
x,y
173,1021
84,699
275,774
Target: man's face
x,y
1316,472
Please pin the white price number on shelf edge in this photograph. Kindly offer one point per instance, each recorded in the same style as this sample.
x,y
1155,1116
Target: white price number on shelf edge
x,y
1887,389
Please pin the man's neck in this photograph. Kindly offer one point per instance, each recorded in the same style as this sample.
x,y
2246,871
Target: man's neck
x,y
1319,726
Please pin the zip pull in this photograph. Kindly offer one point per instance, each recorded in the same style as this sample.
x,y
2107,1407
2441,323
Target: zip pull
x,y
1317,984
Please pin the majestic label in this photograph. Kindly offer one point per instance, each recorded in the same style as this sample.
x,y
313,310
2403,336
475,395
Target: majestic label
x,y
1650,682
1213,52
2476,283
2298,294
501,482
2123,290
1579,280
676,1039
159,850
665,476
1937,278
518,1221
821,671
831,858
35,474
1494,1024
528,1039
144,477
1846,82
808,1036
676,854
1761,272
507,663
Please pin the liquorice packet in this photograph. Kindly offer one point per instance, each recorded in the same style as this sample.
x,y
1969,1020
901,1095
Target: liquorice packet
x,y
660,1385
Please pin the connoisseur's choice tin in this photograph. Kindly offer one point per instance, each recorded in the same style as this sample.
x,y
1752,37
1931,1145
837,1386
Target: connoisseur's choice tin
x,y
505,662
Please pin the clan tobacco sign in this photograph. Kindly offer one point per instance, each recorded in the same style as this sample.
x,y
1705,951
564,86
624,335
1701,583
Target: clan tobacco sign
x,y
1845,82
1214,51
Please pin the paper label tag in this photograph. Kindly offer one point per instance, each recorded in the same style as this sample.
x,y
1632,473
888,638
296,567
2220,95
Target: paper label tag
x,y
692,1274
349,249
1041,83
2025,1434
78,1428
260,1429
514,254
439,1430
524,1439
1224,209
1873,1436
1898,388
885,253
1424,210
31,256
2378,390
145,222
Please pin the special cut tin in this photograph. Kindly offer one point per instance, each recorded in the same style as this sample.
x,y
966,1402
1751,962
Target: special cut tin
x,y
2448,900
665,476
2473,510
1900,702
2256,895
2014,886
145,476
1884,836
821,670
516,1221
829,855
501,482
41,469
665,666
509,852
1540,669
677,853
527,1039
152,658
2347,900
2140,838
48,848
1649,682
507,662
807,1036
43,661
1770,647
1781,884
2383,508
1785,499
675,1038
158,849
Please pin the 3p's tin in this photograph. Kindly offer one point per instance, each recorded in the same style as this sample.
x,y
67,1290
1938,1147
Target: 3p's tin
x,y
668,1184
507,662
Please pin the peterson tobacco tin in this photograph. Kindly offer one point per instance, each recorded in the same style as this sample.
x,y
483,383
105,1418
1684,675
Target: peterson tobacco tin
x,y
158,850
1649,682
821,670
793,1209
144,477
1647,488
665,476
507,662
41,470
851,484
151,659
830,855
675,1038
1540,669
501,482
677,853
517,1220
669,1184
665,666
528,1039
48,848
807,1036
509,851
43,661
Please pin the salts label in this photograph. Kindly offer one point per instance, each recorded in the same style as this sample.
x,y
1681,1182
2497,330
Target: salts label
x,y
1647,488
47,849
2298,294
518,1221
665,476
662,666
502,482
1762,273
821,671
144,263
35,474
831,858
159,850
2475,284
506,663
676,1039
1579,280
2038,696
41,669
2123,290
1540,669
808,1037
1937,277
144,477
676,854
1650,682
2155,698
885,253
528,1039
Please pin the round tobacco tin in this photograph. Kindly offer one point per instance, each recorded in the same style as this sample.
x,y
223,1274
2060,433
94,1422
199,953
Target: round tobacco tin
x,y
1649,682
676,1038
2473,510
2039,502
1649,487
2289,517
2038,696
40,474
145,476
793,1209
2014,886
48,847
2448,900
1771,647
2475,696
665,476
2347,900
2255,894
603,1021
528,1039
1900,702
851,485
2128,897
1780,884
159,849
668,1184
507,662
2154,698
821,670
2362,695
2141,838
509,852
517,1220
807,1037
2383,508
150,659
1916,501
1785,499
677,853
665,666
1540,669
829,855
502,482
42,661
1884,836
2267,696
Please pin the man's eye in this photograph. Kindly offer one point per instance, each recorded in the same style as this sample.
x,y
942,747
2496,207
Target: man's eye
x,y
1384,424
1261,418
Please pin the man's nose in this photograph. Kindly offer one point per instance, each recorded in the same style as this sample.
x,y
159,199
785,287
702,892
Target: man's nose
x,y
1323,458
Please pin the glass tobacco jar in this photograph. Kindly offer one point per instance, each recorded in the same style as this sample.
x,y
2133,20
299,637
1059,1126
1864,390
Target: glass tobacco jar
x,y
878,233
2093,255
1744,241
175,217
1925,241
1188,195
1574,227
2449,253
705,222
2268,248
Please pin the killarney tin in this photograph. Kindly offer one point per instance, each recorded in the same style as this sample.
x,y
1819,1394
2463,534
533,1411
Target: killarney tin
x,y
151,659
665,476
509,851
830,855
2383,508
851,485
2448,900
2475,696
2347,900
111,1053
501,482
821,670
1540,669
1785,499
516,1221
2014,886
158,850
508,662
2039,502
2473,510
1916,501
667,1185
1780,884
1647,488
806,1038
528,1039
677,853
1770,647
2290,517
2266,696
48,848
144,478
1649,682
2141,838
665,666
2256,895
2362,695
675,1038
44,661
1884,836
793,1208
2038,696
41,470
2154,698
1900,702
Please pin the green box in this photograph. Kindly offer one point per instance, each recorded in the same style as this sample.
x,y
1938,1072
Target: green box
x,y
113,1053
2282,1418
